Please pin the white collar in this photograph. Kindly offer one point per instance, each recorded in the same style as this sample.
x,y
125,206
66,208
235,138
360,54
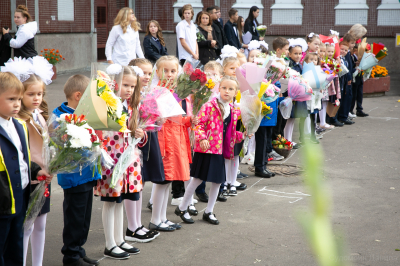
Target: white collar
x,y
5,123
35,115
125,103
225,105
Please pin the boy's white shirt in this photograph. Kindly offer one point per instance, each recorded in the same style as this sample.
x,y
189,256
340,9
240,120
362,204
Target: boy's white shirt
x,y
9,128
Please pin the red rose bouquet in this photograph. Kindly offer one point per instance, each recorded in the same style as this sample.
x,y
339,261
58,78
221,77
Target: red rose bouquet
x,y
190,81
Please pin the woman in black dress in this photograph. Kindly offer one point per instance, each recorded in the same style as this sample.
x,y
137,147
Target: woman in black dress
x,y
251,23
23,43
206,38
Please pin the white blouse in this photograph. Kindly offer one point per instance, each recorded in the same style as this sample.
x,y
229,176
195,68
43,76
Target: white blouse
x,y
121,47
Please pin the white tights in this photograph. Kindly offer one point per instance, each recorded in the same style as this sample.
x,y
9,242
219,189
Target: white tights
x,y
37,235
322,114
186,185
160,202
288,131
231,169
133,211
191,188
113,223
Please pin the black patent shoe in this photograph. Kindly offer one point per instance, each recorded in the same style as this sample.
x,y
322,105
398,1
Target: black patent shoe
x,y
192,211
272,173
242,186
174,225
151,232
231,192
149,206
116,256
132,250
134,237
181,214
159,228
206,217
91,261
265,174
221,197
203,197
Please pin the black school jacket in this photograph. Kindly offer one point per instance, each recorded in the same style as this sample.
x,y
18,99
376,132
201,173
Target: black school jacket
x,y
249,26
151,49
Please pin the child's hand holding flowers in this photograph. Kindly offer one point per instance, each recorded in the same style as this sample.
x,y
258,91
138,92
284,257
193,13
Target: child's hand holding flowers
x,y
204,144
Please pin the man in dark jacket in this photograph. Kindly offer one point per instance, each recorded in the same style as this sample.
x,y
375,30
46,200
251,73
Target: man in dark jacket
x,y
217,28
231,30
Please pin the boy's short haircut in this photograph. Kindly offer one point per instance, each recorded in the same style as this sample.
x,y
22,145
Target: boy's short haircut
x,y
348,37
279,43
232,12
76,83
210,8
8,81
344,43
214,65
217,8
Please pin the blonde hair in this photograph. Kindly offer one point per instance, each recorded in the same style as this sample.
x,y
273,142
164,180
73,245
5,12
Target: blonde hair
x,y
139,61
214,65
25,114
187,7
76,83
124,21
166,58
310,40
358,31
226,78
24,11
8,81
229,60
135,98
322,45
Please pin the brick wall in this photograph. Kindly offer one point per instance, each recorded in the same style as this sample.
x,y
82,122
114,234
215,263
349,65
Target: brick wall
x,y
5,14
48,8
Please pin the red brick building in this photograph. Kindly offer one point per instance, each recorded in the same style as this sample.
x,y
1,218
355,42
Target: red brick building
x,y
79,28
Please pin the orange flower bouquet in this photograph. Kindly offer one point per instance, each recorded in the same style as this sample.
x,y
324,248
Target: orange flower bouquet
x,y
379,71
52,55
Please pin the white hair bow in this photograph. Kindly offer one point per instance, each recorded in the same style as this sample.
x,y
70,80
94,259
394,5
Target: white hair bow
x,y
41,67
263,43
311,35
334,32
253,45
138,70
20,67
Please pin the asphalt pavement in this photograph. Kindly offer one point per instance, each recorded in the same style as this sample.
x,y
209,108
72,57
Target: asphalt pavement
x,y
259,226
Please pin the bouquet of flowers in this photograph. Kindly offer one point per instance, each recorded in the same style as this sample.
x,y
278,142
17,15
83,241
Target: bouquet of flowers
x,y
200,37
379,71
285,79
379,50
157,104
315,76
260,59
69,146
261,30
53,56
276,70
282,143
368,61
268,92
331,66
266,110
190,81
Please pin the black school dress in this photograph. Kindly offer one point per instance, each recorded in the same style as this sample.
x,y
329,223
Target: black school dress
x,y
238,146
210,167
153,167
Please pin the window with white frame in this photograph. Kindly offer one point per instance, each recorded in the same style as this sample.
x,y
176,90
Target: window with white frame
x,y
65,10
287,12
350,12
196,4
389,13
243,8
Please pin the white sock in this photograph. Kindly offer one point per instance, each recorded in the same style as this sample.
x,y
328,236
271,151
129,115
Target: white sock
x,y
307,126
165,204
186,183
108,217
38,239
212,198
138,215
189,191
119,225
322,114
131,209
158,202
228,173
235,168
288,131
27,234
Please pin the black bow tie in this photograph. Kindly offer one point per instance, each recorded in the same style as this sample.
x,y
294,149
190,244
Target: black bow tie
x,y
234,25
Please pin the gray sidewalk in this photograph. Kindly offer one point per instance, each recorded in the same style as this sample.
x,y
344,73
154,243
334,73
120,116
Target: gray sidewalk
x,y
259,226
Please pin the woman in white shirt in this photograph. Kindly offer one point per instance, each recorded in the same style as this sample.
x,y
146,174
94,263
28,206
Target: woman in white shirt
x,y
123,43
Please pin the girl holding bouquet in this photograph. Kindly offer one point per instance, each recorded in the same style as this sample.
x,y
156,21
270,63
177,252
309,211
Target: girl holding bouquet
x,y
34,111
215,140
130,183
175,150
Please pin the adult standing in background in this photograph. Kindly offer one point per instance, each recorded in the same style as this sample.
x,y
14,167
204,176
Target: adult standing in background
x,y
240,26
154,44
231,30
186,36
123,43
23,43
218,29
251,23
219,19
206,38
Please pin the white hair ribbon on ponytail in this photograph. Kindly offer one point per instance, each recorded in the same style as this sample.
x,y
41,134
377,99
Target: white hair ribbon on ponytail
x,y
42,68
20,67
138,70
311,35
334,32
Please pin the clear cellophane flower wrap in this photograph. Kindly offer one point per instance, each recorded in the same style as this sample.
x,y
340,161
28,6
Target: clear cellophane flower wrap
x,y
315,76
250,109
271,92
299,89
343,70
157,105
69,146
100,103
285,107
368,61
276,70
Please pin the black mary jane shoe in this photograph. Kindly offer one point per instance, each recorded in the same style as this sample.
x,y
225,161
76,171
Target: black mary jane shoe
x,y
181,214
203,197
242,186
191,211
151,232
135,237
91,261
117,256
159,228
132,250
149,206
231,192
221,197
243,174
206,217
174,225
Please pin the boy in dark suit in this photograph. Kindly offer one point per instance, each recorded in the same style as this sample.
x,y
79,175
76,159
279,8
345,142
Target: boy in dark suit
x,y
16,169
218,29
219,19
230,29
78,188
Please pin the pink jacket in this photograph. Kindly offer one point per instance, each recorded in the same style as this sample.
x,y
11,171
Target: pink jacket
x,y
211,127
334,88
